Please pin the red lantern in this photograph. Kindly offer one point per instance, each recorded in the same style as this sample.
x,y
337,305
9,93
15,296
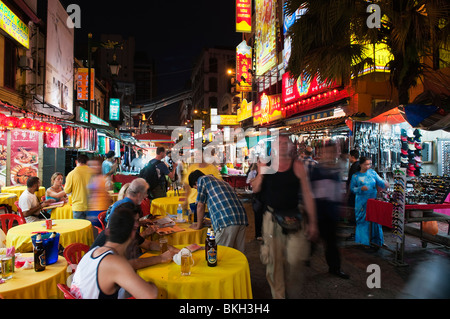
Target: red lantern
x,y
48,127
24,123
34,124
41,126
10,122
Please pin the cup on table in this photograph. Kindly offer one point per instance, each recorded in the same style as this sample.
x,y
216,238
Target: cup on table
x,y
186,262
163,245
48,223
7,268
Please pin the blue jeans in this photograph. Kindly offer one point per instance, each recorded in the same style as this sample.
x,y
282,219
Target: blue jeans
x,y
79,215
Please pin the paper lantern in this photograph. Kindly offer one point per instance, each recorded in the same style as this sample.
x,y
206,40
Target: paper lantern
x,y
10,122
23,123
34,124
41,126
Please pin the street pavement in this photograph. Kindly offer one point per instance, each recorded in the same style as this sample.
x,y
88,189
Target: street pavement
x,y
394,281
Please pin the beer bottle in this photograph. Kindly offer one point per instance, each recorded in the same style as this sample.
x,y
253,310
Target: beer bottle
x,y
212,250
39,254
208,233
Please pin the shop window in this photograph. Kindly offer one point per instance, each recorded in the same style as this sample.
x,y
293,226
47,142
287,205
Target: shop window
x,y
10,64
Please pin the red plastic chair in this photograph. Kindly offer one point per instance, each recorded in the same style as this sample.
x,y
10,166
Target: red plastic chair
x,y
66,291
145,207
74,252
101,218
19,211
7,221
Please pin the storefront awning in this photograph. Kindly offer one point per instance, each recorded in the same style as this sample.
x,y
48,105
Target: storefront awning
x,y
154,137
319,125
393,116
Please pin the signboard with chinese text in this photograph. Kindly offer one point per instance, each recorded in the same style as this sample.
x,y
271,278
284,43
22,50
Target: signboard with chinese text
x,y
297,89
24,155
266,35
3,157
244,16
267,110
94,119
114,109
83,82
15,27
243,65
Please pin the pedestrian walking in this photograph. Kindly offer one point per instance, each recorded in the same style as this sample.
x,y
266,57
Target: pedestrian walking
x,y
286,230
326,187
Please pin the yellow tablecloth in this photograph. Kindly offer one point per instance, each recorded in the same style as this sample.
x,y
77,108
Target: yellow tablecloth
x,y
230,279
166,205
28,284
70,230
9,199
114,197
186,237
172,193
18,190
64,212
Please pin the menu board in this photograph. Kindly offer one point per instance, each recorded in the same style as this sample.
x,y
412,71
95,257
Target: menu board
x,y
24,156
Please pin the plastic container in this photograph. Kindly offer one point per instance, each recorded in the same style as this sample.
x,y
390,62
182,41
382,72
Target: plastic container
x,y
51,246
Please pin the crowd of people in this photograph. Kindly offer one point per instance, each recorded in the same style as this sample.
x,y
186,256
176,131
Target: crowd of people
x,y
294,207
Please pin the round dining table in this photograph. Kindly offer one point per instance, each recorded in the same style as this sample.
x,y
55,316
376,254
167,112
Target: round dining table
x,y
230,279
28,284
63,212
70,230
172,193
9,199
18,190
166,205
185,237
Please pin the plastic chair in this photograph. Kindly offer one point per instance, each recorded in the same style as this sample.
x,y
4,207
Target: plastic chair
x,y
74,252
66,291
145,207
19,211
101,218
7,221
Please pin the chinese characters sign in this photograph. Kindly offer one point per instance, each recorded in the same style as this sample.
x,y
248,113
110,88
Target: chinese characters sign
x,y
83,83
114,109
243,66
243,15
296,89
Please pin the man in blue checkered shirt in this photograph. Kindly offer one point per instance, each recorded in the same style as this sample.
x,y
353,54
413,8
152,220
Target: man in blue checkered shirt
x,y
228,216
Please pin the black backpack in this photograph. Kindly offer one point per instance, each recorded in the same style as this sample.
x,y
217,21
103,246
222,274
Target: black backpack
x,y
150,174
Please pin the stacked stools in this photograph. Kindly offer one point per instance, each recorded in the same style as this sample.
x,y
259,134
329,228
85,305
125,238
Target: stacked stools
x,y
411,151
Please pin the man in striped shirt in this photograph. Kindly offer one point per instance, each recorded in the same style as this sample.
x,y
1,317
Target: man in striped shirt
x,y
228,216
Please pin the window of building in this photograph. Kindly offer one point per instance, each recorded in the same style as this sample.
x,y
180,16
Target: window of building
x,y
10,64
213,65
213,101
213,84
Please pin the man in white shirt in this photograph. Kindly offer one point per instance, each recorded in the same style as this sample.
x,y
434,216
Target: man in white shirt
x,y
139,162
29,203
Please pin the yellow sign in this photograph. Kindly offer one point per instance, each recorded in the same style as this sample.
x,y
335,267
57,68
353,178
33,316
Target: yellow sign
x,y
228,120
245,111
12,25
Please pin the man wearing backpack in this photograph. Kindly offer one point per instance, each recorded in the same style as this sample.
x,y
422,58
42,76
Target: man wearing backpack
x,y
155,174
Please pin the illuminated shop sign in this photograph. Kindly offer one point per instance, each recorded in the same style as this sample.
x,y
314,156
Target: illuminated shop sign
x,y
15,27
244,16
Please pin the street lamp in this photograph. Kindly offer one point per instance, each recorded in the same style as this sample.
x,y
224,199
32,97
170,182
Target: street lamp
x,y
114,66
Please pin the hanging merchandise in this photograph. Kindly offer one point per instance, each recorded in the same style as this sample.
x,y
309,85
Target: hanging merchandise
x,y
398,201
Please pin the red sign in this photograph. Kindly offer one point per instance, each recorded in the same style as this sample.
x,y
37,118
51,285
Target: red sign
x,y
24,155
298,89
243,66
3,157
243,15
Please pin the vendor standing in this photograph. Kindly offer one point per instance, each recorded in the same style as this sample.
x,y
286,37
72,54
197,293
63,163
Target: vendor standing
x,y
364,184
109,168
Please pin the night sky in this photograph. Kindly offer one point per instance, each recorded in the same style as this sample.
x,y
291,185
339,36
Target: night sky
x,y
172,32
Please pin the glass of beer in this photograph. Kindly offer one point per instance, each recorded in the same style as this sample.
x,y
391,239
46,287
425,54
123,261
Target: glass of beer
x,y
7,268
163,245
186,262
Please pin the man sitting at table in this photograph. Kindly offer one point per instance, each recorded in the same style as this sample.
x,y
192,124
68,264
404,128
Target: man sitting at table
x,y
135,194
228,216
29,203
